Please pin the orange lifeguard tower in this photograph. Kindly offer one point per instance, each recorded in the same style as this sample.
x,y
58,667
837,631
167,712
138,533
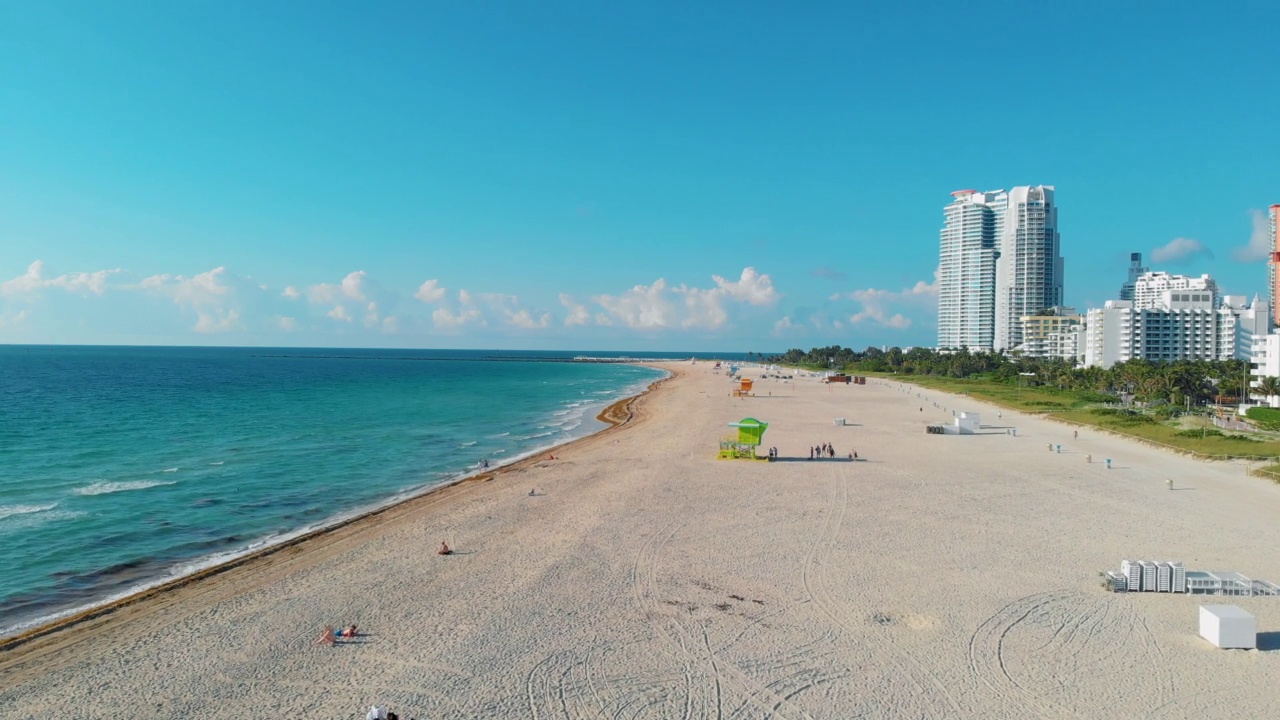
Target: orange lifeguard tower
x,y
744,388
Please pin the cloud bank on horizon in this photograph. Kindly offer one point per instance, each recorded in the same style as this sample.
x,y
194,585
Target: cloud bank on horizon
x,y
223,307
220,306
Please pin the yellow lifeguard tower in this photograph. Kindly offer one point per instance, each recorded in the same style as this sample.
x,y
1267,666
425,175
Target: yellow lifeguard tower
x,y
743,445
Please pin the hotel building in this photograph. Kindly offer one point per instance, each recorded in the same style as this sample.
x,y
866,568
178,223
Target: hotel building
x,y
967,269
999,261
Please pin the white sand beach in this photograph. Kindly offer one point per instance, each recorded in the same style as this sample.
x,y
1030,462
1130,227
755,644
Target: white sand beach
x,y
936,577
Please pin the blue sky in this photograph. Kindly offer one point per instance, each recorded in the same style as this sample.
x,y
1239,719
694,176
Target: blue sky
x,y
580,175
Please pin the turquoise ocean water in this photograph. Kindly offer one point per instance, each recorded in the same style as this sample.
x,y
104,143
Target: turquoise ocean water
x,y
122,467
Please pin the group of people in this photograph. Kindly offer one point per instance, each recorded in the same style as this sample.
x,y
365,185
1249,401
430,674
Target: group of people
x,y
825,450
773,453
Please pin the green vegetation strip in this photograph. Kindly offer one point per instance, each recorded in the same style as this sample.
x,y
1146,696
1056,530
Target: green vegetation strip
x,y
1081,407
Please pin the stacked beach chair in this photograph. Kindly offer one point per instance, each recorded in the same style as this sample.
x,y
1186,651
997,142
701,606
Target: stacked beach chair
x,y
1149,576
1132,571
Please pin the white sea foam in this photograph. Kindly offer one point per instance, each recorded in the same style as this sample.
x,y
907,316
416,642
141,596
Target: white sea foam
x,y
170,470
26,521
501,434
11,510
217,463
104,487
538,435
468,444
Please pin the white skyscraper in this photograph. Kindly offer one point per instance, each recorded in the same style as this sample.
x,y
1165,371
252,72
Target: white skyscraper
x,y
1029,262
967,269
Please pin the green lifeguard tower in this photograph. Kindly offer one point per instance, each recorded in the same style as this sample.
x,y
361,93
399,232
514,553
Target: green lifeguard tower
x,y
743,446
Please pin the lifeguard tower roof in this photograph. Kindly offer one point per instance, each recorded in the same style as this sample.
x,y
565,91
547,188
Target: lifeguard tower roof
x,y
750,431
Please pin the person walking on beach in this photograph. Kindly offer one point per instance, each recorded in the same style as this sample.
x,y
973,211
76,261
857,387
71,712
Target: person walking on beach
x,y
1075,434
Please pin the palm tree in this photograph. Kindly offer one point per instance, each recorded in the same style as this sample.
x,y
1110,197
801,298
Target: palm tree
x,y
1269,387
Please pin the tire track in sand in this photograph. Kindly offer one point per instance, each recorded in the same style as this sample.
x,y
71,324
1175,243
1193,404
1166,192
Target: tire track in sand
x,y
815,588
1083,626
719,673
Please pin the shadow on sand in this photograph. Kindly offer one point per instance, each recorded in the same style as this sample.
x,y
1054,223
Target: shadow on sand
x,y
1269,641
817,460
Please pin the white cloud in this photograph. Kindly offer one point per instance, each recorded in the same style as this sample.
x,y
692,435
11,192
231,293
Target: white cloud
x,y
523,319
208,295
444,319
655,307
371,314
430,292
33,280
217,320
751,287
390,325
25,283
287,324
1180,250
884,307
702,308
350,288
783,325
1259,245
578,314
12,321
339,312
643,307
292,293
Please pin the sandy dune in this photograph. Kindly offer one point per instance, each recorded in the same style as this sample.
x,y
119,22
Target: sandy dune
x,y
939,577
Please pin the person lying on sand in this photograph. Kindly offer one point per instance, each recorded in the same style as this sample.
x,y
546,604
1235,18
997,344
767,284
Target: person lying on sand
x,y
444,549
347,632
327,636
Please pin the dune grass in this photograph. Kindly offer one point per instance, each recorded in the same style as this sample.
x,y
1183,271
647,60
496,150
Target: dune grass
x,y
1085,409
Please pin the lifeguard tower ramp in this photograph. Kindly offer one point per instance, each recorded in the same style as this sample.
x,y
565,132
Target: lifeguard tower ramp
x,y
743,445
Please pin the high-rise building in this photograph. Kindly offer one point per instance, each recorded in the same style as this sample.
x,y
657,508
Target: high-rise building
x,y
1149,288
1135,271
1180,323
1029,267
967,269
1273,261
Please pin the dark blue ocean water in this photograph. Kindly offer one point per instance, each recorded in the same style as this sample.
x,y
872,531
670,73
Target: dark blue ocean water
x,y
122,466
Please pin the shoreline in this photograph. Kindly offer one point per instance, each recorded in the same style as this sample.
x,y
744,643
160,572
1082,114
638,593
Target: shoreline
x,y
616,415
637,575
